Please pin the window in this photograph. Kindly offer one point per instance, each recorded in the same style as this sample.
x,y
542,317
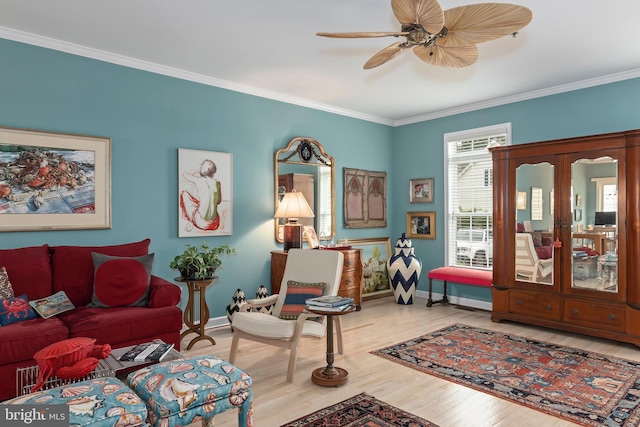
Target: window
x,y
469,194
323,216
606,194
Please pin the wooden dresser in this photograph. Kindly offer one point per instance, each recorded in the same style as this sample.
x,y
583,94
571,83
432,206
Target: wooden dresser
x,y
352,271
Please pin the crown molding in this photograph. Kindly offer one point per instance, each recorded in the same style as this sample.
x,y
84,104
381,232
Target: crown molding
x,y
583,84
84,51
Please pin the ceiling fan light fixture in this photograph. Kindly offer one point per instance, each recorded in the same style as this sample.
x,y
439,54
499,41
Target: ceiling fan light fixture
x,y
445,38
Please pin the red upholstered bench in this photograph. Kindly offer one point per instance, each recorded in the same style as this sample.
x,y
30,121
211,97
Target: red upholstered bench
x,y
465,276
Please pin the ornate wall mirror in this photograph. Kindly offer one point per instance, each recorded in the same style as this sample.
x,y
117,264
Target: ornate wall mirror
x,y
303,165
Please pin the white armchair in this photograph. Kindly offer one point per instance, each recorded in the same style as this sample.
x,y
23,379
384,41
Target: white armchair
x,y
528,266
304,266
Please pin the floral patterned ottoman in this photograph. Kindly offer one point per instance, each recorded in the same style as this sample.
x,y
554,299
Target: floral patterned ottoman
x,y
183,391
100,402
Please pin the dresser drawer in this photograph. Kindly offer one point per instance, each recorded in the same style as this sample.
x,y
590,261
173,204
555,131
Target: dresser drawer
x,y
609,317
535,304
352,261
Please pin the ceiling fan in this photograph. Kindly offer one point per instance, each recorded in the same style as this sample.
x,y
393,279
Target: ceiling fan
x,y
445,38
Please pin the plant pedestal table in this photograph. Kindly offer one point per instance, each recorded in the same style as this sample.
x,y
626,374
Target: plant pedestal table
x,y
196,286
330,375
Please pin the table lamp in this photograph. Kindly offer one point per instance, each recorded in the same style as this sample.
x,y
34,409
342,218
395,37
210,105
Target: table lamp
x,y
293,206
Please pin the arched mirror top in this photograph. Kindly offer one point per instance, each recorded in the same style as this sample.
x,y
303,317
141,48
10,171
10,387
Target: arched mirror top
x,y
304,165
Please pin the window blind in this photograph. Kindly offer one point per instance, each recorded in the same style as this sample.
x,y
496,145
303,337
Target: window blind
x,y
469,192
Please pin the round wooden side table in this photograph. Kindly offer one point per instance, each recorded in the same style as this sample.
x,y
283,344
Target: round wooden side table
x,y
198,286
330,376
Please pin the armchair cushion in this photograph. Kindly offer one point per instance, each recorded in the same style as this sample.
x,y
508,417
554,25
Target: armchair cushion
x,y
297,295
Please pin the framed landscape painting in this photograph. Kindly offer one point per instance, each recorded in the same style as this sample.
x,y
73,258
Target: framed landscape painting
x,y
54,181
375,253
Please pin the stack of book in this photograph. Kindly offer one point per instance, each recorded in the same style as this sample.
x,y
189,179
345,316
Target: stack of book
x,y
147,352
329,303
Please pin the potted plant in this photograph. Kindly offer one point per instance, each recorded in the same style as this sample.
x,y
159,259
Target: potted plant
x,y
199,262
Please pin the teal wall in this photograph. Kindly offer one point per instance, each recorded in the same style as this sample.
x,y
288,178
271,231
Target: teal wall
x,y
419,149
149,116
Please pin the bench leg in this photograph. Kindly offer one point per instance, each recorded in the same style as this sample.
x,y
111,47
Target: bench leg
x,y
444,299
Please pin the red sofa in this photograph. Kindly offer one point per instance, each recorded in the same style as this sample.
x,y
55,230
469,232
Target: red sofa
x,y
44,270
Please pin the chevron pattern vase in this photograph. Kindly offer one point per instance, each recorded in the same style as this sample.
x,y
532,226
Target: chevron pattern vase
x,y
404,269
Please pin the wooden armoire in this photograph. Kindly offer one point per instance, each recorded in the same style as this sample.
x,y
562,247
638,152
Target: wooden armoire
x,y
592,289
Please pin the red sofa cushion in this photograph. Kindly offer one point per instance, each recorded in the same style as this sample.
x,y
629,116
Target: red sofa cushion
x,y
73,267
29,270
20,341
118,325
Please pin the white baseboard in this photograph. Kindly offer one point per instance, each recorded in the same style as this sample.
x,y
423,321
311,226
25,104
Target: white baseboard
x,y
222,321
466,302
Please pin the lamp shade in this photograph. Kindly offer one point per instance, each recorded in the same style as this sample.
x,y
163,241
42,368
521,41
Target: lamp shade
x,y
293,206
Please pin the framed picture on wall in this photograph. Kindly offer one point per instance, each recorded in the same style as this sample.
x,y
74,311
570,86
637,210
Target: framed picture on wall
x,y
205,193
521,201
311,236
421,225
365,198
421,190
375,253
54,181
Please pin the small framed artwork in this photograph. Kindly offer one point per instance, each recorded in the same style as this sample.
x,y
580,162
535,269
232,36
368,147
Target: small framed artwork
x,y
54,181
578,200
311,236
577,214
421,190
421,225
521,202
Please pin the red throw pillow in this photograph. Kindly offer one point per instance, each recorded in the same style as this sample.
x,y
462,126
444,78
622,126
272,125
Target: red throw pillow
x,y
16,309
121,281
297,295
6,290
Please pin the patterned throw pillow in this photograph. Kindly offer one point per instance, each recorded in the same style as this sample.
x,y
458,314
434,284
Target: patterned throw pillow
x,y
6,290
297,294
16,309
121,281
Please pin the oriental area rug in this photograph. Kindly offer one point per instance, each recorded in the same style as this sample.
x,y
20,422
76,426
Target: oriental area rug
x,y
360,411
586,388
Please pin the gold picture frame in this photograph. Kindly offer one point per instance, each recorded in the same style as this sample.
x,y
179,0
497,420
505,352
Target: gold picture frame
x,y
375,254
311,236
421,225
56,181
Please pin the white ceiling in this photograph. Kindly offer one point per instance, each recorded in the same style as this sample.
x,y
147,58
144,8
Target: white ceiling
x,y
269,48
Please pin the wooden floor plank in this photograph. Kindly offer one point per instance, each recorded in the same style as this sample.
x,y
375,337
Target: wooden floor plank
x,y
382,322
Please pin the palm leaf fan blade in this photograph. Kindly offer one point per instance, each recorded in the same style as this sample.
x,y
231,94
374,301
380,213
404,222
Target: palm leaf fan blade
x,y
427,13
383,56
478,23
356,35
453,57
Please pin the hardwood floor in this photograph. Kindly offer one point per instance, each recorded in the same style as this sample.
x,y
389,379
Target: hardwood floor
x,y
382,322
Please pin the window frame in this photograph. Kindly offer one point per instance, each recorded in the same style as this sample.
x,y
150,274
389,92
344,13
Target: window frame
x,y
454,137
